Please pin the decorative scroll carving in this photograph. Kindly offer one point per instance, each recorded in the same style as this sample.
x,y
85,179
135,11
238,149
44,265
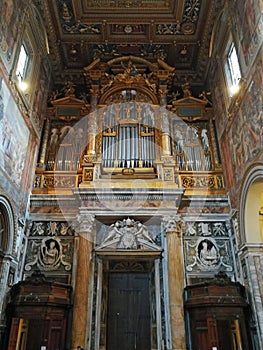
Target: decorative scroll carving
x,y
236,229
198,181
59,181
128,234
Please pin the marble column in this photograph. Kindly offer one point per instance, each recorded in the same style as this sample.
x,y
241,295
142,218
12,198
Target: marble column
x,y
92,121
166,143
92,130
85,223
173,226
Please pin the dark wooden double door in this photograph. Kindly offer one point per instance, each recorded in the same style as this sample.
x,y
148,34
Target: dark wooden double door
x,y
129,319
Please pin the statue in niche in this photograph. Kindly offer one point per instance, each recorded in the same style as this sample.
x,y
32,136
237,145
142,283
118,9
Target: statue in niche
x,y
205,141
207,252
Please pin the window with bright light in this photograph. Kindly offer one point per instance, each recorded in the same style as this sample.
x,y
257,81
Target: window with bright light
x,y
22,63
233,72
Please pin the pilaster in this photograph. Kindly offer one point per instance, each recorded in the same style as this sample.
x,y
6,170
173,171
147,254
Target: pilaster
x,y
173,226
84,226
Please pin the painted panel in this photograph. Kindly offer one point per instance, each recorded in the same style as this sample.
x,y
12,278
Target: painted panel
x,y
11,13
248,16
14,137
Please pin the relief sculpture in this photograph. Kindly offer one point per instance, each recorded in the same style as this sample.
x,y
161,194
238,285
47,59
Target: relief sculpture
x,y
128,234
48,255
207,253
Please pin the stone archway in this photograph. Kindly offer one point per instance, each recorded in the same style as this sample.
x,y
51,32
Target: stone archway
x,y
251,243
250,206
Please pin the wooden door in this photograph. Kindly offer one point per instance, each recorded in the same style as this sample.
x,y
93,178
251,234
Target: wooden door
x,y
128,325
55,339
37,334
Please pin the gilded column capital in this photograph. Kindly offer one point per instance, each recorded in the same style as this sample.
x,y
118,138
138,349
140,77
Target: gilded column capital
x,y
173,224
84,223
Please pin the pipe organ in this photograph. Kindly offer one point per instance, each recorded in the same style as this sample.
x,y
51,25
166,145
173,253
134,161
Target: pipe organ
x,y
128,136
129,129
128,141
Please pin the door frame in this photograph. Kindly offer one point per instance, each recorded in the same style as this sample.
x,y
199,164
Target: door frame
x,y
127,262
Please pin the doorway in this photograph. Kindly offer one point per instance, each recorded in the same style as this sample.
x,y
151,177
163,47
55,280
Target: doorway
x,y
129,318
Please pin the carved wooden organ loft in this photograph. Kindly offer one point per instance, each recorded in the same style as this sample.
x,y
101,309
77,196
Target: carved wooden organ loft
x,y
129,128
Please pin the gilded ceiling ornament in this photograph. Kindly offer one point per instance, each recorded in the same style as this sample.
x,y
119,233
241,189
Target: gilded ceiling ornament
x,y
66,15
188,28
128,29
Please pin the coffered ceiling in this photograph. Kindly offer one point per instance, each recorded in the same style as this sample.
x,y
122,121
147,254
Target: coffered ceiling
x,y
176,31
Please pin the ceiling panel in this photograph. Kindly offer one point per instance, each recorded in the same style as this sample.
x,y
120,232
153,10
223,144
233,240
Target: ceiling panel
x,y
176,31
